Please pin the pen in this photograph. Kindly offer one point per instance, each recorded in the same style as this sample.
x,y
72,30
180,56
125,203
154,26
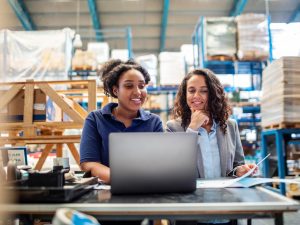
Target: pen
x,y
263,159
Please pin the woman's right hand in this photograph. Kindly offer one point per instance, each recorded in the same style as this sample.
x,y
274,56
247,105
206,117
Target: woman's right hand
x,y
198,118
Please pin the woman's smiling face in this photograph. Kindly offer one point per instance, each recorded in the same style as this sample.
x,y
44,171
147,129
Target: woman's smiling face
x,y
131,90
197,93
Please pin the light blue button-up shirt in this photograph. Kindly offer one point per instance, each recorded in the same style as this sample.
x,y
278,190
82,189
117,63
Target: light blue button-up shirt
x,y
210,151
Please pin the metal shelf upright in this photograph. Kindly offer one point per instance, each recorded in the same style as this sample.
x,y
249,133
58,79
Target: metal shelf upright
x,y
282,136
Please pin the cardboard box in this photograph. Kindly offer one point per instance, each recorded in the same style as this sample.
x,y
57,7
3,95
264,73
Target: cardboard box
x,y
14,111
44,109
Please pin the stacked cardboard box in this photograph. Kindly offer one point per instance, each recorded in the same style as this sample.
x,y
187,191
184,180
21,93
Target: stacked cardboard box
x,y
253,38
44,109
14,110
281,92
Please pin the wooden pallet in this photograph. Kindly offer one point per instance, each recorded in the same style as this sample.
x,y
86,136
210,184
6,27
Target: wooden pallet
x,y
221,58
282,126
253,58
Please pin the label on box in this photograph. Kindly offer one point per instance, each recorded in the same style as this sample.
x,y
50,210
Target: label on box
x,y
39,106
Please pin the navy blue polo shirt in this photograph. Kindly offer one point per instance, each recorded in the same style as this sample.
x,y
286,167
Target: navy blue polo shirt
x,y
100,123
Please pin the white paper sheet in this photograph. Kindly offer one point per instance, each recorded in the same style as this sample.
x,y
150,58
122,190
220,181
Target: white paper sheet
x,y
243,181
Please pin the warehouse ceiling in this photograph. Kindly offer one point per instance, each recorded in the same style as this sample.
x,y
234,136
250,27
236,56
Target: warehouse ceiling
x,y
156,25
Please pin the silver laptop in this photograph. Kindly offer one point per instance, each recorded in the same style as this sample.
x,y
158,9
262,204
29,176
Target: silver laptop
x,y
152,162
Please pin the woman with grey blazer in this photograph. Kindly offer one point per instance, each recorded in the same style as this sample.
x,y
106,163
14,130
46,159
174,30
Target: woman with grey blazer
x,y
201,107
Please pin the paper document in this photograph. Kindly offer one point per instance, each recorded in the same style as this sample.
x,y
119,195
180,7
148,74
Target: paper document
x,y
243,181
101,187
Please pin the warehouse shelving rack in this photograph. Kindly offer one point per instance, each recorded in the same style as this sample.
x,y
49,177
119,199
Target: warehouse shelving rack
x,y
282,137
225,67
166,91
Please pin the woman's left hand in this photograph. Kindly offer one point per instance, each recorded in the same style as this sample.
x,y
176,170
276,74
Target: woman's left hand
x,y
241,170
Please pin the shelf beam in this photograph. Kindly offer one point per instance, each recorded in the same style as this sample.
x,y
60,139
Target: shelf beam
x,y
238,7
295,15
164,23
22,13
96,20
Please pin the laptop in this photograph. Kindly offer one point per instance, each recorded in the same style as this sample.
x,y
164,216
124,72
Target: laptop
x,y
143,163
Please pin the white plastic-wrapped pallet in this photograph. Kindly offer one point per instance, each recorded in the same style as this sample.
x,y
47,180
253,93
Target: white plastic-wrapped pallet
x,y
38,55
280,101
281,32
122,54
149,62
220,37
253,38
188,52
100,49
171,68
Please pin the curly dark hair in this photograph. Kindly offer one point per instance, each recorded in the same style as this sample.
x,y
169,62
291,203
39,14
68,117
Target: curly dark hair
x,y
217,102
113,69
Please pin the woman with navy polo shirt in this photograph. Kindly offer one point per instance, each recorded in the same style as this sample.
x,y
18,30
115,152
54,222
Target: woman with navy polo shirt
x,y
127,82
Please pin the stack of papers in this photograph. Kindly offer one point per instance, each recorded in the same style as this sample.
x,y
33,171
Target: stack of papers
x,y
243,181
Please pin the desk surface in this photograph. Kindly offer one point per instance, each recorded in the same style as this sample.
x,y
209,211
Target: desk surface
x,y
202,201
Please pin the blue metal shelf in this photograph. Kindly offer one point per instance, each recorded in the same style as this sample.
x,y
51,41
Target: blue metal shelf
x,y
83,73
248,120
235,67
294,142
251,109
220,67
249,67
280,141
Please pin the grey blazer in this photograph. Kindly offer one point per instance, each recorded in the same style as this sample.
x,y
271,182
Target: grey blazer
x,y
230,147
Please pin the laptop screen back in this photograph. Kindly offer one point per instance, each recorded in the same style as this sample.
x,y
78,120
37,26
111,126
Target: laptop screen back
x,y
152,162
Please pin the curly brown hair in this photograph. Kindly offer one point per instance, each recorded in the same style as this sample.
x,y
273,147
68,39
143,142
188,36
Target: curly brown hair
x,y
113,69
217,102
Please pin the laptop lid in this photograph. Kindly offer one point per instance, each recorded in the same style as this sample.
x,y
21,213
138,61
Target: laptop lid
x,y
152,162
